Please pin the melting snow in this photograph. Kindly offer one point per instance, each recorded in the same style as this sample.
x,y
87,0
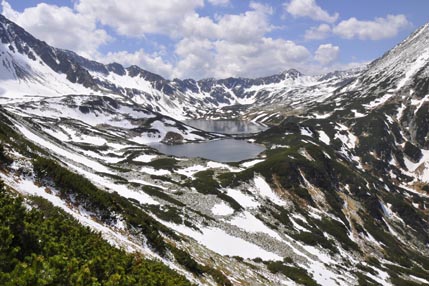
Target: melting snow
x,y
54,148
266,192
421,168
252,163
190,171
217,165
152,171
145,158
246,201
322,116
419,63
358,114
220,242
115,238
222,209
250,223
349,140
324,137
306,132
379,101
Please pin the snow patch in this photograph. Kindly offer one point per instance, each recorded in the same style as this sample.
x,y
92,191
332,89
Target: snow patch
x,y
250,223
222,209
266,192
155,172
246,201
252,163
324,137
145,158
223,243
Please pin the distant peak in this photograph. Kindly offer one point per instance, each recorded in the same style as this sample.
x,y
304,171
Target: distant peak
x,y
135,70
292,73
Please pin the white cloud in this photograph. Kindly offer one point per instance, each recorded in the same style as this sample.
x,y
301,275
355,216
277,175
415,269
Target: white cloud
x,y
318,33
60,27
138,18
198,47
379,28
8,11
219,2
222,58
248,26
177,19
151,62
327,54
196,58
265,57
309,8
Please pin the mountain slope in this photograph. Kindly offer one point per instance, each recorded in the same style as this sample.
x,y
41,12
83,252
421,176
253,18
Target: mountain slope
x,y
339,197
31,67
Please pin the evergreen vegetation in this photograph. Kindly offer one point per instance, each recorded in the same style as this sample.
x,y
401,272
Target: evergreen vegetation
x,y
106,205
206,184
45,246
4,159
297,274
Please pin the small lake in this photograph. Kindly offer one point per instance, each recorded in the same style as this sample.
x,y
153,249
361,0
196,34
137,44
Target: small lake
x,y
226,126
224,150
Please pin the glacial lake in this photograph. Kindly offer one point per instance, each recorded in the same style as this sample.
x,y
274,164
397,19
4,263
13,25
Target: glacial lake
x,y
226,126
224,150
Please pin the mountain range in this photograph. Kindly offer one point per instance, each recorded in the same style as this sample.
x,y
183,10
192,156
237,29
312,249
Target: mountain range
x,y
340,196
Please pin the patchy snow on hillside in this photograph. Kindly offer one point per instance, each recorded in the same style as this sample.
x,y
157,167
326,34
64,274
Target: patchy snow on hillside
x,y
145,158
357,114
348,139
418,64
26,186
222,209
217,165
62,152
155,172
306,132
265,191
190,171
223,243
251,163
146,183
40,80
419,170
250,223
245,200
324,137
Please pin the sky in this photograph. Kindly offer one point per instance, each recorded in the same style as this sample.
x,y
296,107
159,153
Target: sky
x,y
222,38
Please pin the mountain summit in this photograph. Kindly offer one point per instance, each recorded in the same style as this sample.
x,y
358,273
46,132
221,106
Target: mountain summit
x,y
33,66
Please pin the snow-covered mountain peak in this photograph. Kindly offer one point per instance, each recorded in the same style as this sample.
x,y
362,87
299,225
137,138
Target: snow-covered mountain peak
x,y
36,68
292,73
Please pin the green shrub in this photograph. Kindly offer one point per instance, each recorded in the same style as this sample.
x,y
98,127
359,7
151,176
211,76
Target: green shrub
x,y
297,274
184,259
106,205
205,183
4,159
46,246
163,163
